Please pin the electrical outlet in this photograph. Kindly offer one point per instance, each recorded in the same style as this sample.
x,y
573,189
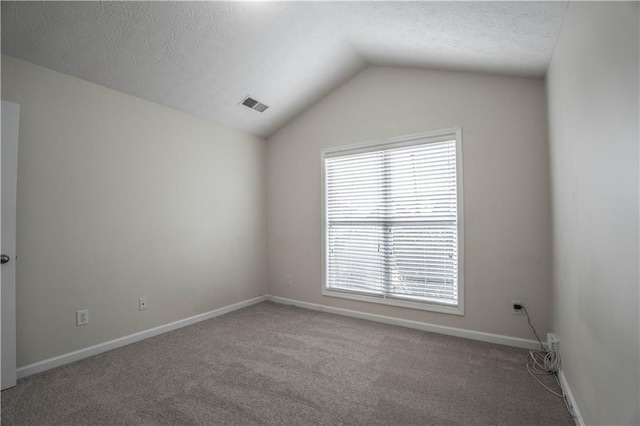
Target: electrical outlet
x,y
142,303
553,342
516,307
287,280
82,317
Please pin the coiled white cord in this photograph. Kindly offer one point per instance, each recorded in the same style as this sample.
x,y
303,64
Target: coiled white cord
x,y
546,362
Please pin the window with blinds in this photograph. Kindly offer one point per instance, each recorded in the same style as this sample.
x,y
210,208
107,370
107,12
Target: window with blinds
x,y
393,222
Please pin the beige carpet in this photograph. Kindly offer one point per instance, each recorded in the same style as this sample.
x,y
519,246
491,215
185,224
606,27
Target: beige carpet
x,y
274,364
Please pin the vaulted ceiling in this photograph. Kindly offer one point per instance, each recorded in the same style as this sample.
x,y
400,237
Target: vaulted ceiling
x,y
203,58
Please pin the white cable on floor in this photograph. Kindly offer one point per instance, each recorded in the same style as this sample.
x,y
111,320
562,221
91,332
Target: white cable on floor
x,y
546,362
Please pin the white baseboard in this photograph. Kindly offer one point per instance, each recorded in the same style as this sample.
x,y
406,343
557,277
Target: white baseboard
x,y
57,361
440,329
570,399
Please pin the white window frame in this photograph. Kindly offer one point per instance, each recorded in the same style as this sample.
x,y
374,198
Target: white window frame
x,y
415,139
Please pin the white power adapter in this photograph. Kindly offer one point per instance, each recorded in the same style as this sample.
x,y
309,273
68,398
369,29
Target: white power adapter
x,y
553,342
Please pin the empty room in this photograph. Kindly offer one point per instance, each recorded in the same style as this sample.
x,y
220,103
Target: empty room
x,y
292,213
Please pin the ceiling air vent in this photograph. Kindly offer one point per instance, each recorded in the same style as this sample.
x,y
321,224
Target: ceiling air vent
x,y
253,104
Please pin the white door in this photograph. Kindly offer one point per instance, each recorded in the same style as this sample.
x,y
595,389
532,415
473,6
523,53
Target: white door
x,y
9,167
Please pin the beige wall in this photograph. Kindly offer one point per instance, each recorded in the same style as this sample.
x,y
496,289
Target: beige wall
x,y
506,187
593,120
120,198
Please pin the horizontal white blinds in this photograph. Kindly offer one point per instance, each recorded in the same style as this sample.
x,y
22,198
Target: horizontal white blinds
x,y
391,222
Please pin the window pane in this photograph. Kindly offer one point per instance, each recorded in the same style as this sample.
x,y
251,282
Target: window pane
x,y
354,187
355,258
421,182
423,260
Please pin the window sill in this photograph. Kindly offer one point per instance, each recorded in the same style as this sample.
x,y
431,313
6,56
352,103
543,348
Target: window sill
x,y
453,310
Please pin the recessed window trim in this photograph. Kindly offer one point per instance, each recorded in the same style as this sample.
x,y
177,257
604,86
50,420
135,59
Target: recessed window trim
x,y
399,142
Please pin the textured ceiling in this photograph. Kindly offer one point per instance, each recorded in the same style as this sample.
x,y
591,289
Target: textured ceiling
x,y
203,58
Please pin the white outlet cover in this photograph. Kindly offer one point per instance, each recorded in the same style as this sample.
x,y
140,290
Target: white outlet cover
x,y
82,317
142,303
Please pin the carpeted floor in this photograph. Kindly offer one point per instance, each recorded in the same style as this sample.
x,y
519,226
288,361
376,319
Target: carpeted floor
x,y
275,364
